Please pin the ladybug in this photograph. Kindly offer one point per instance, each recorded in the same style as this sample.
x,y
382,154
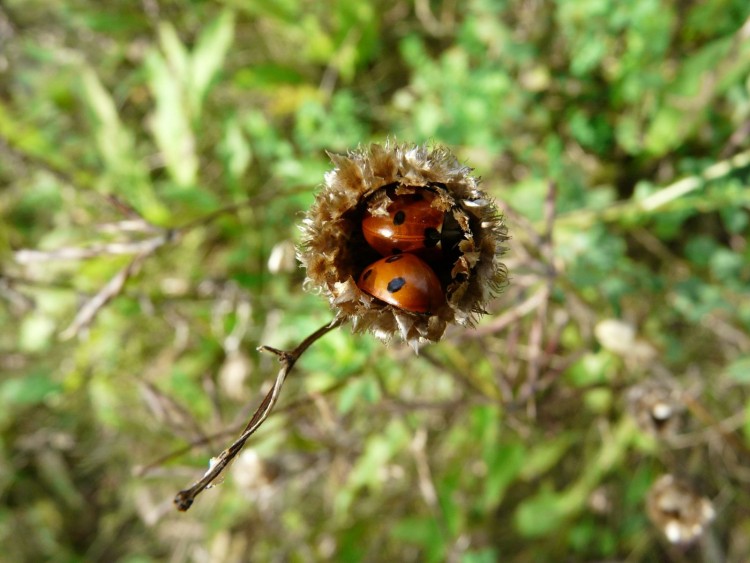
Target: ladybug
x,y
404,281
412,225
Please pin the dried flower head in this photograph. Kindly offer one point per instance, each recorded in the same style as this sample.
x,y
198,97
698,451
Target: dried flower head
x,y
677,510
657,407
429,255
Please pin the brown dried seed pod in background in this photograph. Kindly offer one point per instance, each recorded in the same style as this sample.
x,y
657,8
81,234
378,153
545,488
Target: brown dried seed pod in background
x,y
677,510
383,182
657,407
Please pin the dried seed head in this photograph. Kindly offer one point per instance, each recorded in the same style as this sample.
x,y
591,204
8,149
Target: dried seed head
x,y
677,510
657,407
400,189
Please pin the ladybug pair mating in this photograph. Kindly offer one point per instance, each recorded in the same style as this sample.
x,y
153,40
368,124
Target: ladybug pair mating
x,y
414,238
401,240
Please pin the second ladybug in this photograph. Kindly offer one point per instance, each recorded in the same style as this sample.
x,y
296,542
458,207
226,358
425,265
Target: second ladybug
x,y
404,281
411,225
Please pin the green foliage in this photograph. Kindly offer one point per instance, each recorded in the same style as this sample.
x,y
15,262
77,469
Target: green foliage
x,y
214,119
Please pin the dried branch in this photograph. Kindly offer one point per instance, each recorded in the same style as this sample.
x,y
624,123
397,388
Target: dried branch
x,y
536,334
29,256
141,248
111,289
143,470
288,359
699,411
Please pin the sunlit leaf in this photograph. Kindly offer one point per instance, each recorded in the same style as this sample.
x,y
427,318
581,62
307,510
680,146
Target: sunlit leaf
x,y
30,389
170,122
739,370
208,57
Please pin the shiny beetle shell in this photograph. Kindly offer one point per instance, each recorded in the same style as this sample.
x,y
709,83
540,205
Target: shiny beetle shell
x,y
411,225
404,281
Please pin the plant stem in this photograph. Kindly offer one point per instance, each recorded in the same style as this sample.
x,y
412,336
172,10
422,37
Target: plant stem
x,y
288,359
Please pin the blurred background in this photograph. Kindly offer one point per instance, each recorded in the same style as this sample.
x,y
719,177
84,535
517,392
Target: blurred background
x,y
155,160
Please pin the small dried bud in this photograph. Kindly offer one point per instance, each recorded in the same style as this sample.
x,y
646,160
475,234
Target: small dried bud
x,y
600,501
401,238
282,258
251,472
677,510
657,407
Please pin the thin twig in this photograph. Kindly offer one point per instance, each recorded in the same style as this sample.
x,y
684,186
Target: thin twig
x,y
288,359
425,480
391,404
30,256
141,248
529,305
111,289
536,335
171,412
699,411
659,199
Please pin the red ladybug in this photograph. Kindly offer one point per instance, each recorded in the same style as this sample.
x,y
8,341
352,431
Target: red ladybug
x,y
412,225
405,281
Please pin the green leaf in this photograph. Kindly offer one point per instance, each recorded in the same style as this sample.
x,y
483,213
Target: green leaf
x,y
486,555
544,456
540,514
362,389
127,175
504,463
735,219
113,140
36,332
170,123
739,370
424,532
727,266
591,369
29,389
208,58
176,53
235,150
699,250
366,473
688,101
267,76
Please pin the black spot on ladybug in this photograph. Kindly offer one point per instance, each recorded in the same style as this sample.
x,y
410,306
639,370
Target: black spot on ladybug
x,y
394,258
417,197
395,284
431,237
396,251
399,217
367,274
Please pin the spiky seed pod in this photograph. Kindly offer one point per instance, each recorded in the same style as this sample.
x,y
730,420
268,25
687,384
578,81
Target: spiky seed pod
x,y
466,254
678,510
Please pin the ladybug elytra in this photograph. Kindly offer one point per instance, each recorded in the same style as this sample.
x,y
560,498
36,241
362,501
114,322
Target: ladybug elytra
x,y
404,281
411,225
